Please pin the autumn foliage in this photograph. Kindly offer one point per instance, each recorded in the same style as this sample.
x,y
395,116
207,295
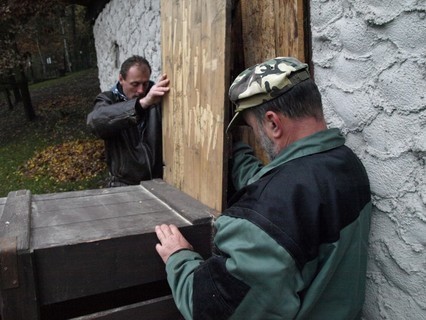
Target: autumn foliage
x,y
15,19
71,161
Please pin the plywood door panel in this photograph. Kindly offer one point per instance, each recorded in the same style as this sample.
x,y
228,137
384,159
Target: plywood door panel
x,y
272,28
195,57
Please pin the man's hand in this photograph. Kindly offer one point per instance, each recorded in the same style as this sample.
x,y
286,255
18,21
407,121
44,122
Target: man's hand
x,y
171,240
157,91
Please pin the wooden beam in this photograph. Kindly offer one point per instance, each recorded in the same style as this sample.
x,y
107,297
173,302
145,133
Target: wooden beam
x,y
195,55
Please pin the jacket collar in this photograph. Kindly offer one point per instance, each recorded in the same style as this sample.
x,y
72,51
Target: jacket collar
x,y
117,90
316,143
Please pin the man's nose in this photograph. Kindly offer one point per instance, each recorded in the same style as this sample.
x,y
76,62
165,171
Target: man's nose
x,y
141,89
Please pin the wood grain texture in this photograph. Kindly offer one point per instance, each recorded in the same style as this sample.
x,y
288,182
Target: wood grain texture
x,y
195,57
258,25
155,309
272,28
18,292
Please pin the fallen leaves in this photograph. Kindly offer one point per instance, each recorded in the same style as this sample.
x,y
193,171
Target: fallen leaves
x,y
71,161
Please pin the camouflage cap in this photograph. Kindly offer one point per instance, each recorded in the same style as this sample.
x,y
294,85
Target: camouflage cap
x,y
264,82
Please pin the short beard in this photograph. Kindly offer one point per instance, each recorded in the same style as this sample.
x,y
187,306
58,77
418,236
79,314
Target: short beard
x,y
266,144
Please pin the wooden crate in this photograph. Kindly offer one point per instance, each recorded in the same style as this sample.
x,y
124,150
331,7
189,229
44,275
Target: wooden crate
x,y
91,254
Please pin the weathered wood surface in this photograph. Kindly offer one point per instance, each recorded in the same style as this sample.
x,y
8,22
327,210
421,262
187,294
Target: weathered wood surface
x,y
93,215
195,55
272,28
83,245
96,241
156,309
17,275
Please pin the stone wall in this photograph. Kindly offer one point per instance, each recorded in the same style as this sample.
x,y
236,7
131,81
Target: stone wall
x,y
125,28
370,64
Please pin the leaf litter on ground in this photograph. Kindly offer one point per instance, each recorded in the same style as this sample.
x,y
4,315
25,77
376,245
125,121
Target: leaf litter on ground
x,y
57,145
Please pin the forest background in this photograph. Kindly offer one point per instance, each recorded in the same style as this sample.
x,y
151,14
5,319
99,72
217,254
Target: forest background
x,y
48,82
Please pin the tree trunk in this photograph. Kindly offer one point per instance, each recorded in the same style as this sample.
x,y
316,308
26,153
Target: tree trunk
x,y
43,64
15,88
7,96
67,56
25,94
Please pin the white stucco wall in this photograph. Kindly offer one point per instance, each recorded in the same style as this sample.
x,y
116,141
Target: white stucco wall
x,y
131,27
370,63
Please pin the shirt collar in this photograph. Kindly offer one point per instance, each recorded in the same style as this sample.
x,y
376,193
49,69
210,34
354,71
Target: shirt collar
x,y
117,89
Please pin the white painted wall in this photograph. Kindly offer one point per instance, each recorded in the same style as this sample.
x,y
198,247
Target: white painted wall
x,y
370,64
133,25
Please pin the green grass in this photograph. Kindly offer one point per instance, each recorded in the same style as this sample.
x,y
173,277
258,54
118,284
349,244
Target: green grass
x,y
61,106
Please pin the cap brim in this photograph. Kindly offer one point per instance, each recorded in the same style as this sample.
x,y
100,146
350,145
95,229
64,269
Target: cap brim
x,y
236,120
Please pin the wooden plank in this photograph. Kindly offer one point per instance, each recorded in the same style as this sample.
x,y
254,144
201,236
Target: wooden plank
x,y
102,215
85,269
192,20
18,294
182,203
15,221
289,36
9,263
155,309
53,211
2,204
258,24
126,211
216,23
194,113
283,22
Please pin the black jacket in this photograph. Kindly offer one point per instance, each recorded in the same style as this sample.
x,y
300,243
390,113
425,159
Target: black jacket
x,y
132,135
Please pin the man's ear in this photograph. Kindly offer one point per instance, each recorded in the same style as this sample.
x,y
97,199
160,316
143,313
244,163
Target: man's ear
x,y
273,124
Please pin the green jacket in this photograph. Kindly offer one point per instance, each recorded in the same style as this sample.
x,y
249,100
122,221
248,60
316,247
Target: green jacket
x,y
291,245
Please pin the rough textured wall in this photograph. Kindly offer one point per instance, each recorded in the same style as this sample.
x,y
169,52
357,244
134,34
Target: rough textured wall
x,y
125,28
370,64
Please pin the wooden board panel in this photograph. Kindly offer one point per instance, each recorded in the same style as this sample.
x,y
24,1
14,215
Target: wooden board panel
x,y
86,269
155,309
289,29
195,56
272,28
258,25
58,219
17,283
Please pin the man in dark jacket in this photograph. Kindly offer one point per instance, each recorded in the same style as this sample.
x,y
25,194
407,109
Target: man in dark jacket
x,y
293,242
128,119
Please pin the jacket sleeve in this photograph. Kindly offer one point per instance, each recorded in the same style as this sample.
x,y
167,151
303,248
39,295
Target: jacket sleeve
x,y
109,117
241,282
244,166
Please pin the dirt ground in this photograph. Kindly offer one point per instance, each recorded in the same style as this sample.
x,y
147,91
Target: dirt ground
x,y
61,106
